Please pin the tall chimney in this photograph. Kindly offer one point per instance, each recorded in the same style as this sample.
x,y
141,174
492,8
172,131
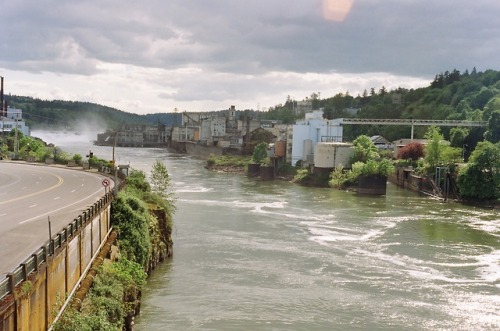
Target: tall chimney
x,y
3,110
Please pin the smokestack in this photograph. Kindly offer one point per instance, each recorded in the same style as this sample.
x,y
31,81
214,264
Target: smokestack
x,y
1,98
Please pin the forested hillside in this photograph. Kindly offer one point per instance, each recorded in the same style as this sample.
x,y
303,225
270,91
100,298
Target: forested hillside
x,y
75,115
451,95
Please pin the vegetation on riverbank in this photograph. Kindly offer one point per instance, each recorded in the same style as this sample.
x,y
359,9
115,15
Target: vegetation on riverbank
x,y
228,163
142,216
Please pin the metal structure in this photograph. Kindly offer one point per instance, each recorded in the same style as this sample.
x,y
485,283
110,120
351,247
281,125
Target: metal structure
x,y
414,122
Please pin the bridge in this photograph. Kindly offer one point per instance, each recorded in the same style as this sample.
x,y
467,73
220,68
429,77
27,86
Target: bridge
x,y
413,122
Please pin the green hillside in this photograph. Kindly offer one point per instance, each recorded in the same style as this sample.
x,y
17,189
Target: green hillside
x,y
473,96
73,115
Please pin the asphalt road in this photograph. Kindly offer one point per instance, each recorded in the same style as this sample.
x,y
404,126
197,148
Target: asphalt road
x,y
30,195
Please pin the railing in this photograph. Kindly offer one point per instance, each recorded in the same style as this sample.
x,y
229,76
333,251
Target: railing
x,y
40,256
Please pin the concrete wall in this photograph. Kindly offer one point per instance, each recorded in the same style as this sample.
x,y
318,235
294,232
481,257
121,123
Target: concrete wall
x,y
32,294
202,152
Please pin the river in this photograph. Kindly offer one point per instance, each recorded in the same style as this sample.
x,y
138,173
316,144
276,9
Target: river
x,y
253,255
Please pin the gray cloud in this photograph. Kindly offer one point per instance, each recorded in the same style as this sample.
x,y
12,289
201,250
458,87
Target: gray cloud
x,y
408,38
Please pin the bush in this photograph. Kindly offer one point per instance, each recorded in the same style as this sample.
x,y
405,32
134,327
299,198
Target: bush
x,y
413,151
260,153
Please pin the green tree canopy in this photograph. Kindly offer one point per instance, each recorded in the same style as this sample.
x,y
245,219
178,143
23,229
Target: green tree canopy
x,y
493,133
364,150
434,147
161,184
260,153
480,179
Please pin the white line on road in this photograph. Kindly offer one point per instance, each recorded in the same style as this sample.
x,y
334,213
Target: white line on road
x,y
2,215
57,198
56,210
33,206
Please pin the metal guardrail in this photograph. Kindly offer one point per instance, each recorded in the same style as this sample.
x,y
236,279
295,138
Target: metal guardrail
x,y
31,264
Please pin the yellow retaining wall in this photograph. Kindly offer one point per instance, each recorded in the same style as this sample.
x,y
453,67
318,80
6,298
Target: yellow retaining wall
x,y
35,301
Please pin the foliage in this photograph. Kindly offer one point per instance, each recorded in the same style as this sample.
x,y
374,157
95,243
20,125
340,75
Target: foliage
x,y
458,136
228,161
412,151
137,180
493,133
118,284
382,168
70,114
130,218
305,177
364,149
340,178
137,185
434,147
77,158
161,184
260,153
105,307
480,178
286,169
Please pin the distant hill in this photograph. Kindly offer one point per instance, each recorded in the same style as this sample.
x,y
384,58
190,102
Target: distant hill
x,y
76,115
452,95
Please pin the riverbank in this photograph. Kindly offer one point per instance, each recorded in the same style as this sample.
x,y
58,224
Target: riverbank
x,y
111,297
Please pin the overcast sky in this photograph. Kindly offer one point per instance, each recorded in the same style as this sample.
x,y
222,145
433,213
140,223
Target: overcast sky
x,y
154,56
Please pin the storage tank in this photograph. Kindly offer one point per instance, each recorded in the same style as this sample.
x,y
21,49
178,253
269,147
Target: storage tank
x,y
280,148
328,155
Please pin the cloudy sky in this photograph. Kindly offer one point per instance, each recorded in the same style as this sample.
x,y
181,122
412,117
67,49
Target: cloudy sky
x,y
154,56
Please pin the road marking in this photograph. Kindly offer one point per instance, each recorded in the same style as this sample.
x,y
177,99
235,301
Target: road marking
x,y
63,207
59,183
2,215
33,206
57,198
73,191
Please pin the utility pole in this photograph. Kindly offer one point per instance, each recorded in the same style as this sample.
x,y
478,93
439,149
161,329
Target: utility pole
x,y
115,187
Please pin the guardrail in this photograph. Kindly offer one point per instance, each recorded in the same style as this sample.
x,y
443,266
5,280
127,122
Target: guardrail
x,y
41,255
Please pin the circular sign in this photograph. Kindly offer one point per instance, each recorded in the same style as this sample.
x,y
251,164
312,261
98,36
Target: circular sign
x,y
105,182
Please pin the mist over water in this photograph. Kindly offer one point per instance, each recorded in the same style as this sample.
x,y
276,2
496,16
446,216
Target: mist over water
x,y
252,255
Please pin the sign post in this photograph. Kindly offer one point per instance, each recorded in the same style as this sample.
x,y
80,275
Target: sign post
x,y
105,183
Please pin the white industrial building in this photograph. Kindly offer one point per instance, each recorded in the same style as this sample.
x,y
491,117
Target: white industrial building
x,y
12,120
310,131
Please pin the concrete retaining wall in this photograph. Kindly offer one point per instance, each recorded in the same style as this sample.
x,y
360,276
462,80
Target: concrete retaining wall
x,y
33,293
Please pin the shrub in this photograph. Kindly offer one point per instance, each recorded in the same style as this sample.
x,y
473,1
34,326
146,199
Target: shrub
x,y
413,151
260,153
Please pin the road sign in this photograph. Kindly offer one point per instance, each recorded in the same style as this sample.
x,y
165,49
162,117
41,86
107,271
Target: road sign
x,y
105,182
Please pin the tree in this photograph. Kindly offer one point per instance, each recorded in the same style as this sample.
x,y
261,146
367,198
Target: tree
x,y
480,179
413,151
457,136
364,150
434,147
493,133
260,153
161,184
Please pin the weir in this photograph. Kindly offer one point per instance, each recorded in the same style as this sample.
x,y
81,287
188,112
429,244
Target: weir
x,y
33,293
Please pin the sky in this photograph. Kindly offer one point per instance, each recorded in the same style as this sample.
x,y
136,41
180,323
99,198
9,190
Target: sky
x,y
157,56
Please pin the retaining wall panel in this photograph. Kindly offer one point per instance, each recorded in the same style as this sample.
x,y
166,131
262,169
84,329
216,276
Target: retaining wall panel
x,y
87,245
73,261
56,274
96,234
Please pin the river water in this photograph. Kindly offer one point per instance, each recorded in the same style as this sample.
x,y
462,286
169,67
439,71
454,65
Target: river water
x,y
252,255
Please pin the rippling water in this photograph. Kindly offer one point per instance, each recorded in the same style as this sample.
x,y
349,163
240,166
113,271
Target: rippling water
x,y
252,255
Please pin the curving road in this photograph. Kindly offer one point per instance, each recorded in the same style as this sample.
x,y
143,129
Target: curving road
x,y
29,196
